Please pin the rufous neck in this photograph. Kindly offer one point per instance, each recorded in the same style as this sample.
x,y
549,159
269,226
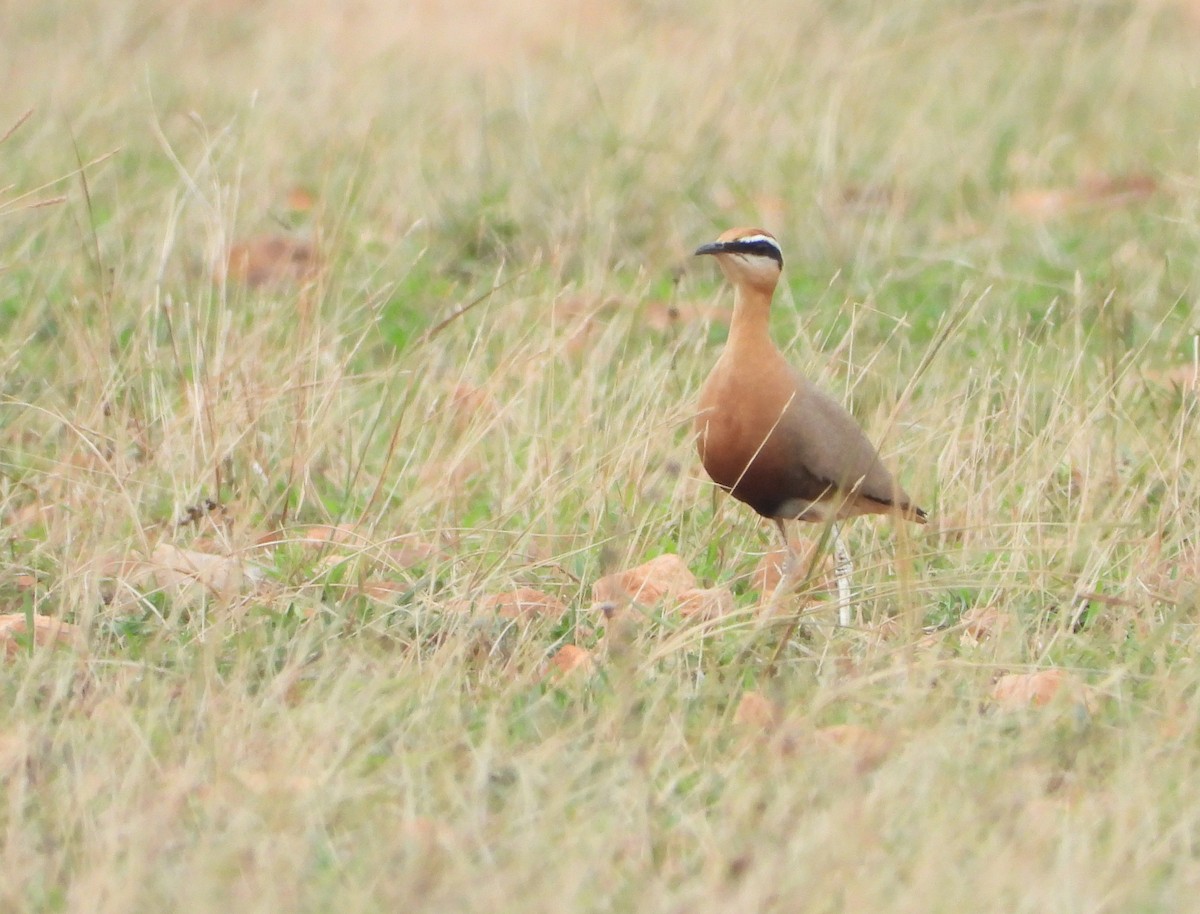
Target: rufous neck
x,y
751,315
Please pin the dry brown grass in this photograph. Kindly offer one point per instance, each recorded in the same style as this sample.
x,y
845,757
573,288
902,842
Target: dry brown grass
x,y
298,522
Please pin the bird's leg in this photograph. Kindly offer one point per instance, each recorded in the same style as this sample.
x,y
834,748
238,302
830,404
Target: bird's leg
x,y
791,568
789,560
843,567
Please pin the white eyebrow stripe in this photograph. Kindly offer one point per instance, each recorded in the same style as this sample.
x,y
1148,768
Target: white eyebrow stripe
x,y
754,239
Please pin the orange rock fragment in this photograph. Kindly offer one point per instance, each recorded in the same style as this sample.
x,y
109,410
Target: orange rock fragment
x,y
300,199
270,260
26,515
384,591
1042,203
409,552
271,538
984,622
329,533
1022,690
46,630
666,575
524,603
705,602
427,835
1117,189
757,712
192,573
570,658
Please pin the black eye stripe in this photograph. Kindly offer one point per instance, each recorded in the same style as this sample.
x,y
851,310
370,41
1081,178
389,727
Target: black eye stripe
x,y
760,248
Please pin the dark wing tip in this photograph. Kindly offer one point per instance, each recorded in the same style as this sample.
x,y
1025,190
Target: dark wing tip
x,y
907,510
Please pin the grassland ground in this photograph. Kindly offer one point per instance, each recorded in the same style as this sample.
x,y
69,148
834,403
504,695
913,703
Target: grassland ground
x,y
345,348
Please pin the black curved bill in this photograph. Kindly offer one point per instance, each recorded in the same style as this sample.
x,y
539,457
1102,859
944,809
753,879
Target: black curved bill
x,y
759,248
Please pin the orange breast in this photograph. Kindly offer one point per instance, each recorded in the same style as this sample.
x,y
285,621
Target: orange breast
x,y
743,435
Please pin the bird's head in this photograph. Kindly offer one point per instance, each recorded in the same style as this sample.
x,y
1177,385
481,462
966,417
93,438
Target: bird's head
x,y
747,256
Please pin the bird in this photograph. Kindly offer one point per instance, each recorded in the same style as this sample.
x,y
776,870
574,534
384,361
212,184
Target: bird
x,y
770,437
